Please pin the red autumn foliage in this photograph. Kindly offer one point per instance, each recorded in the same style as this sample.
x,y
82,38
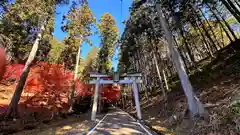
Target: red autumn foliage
x,y
48,86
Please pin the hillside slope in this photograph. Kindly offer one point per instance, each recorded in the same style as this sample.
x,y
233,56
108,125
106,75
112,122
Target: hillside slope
x,y
217,86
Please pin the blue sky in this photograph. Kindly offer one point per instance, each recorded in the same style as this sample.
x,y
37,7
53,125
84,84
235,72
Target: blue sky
x,y
98,7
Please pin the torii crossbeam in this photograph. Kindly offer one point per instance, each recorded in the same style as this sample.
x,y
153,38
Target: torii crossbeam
x,y
127,78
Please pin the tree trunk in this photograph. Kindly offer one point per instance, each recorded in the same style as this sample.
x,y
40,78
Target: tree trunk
x,y
145,82
71,100
165,80
206,44
184,61
152,76
231,10
134,63
219,20
222,37
168,69
141,67
195,106
228,26
12,108
159,76
77,62
124,97
191,55
206,32
211,30
148,78
133,102
234,7
237,2
162,65
137,62
179,25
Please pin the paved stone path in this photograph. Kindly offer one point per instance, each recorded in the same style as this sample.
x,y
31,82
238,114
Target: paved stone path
x,y
118,122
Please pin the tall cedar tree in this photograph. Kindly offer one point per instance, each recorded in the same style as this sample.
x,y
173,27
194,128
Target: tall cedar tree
x,y
109,36
78,24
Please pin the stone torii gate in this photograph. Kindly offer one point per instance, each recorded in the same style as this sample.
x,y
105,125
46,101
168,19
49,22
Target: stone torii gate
x,y
127,78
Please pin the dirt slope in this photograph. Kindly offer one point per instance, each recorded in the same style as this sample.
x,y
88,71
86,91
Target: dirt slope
x,y
217,86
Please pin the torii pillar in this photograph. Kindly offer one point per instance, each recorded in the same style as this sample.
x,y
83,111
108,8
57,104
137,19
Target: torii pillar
x,y
128,79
